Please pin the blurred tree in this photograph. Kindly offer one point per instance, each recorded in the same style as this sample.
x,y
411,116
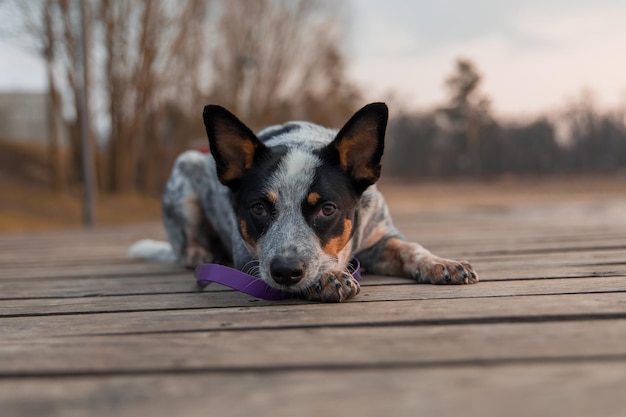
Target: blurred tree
x,y
531,148
596,141
152,60
154,63
38,18
274,60
71,60
468,114
411,149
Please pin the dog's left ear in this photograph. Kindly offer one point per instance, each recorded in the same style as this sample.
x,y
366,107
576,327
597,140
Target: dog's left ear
x,y
358,147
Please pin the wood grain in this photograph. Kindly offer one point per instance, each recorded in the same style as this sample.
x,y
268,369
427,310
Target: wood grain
x,y
86,331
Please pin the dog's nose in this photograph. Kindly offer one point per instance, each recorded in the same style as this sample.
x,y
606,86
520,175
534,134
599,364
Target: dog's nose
x,y
287,271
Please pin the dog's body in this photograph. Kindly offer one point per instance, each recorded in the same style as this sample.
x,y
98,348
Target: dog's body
x,y
293,205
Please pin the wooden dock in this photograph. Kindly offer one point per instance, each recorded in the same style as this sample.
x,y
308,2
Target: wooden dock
x,y
84,331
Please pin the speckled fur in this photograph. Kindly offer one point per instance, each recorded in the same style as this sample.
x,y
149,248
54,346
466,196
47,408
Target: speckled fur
x,y
202,224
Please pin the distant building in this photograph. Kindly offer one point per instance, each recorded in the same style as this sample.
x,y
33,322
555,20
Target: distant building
x,y
24,117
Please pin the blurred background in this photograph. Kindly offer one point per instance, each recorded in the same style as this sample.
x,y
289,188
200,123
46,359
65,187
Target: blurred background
x,y
98,97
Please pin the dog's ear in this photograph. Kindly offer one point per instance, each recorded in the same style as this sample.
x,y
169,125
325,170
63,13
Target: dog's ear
x,y
358,147
233,145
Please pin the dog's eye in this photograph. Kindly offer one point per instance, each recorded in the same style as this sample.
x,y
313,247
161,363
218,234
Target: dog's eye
x,y
259,210
328,209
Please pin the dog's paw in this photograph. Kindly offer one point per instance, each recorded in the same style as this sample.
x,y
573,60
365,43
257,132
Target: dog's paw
x,y
437,270
196,255
333,287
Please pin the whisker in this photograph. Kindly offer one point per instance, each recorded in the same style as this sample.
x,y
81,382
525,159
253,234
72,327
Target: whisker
x,y
252,282
252,267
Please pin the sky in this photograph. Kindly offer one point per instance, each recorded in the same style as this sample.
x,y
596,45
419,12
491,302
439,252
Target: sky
x,y
535,56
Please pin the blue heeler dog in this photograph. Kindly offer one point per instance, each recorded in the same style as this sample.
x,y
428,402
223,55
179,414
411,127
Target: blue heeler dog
x,y
292,205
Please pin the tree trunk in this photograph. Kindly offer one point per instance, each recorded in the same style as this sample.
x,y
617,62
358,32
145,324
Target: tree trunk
x,y
57,169
55,158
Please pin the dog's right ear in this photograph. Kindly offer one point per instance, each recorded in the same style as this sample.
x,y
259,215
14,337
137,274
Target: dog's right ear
x,y
233,145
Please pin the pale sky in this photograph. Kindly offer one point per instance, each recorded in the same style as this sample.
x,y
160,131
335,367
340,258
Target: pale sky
x,y
535,55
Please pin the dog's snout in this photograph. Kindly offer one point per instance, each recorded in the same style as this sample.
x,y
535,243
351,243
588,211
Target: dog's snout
x,y
287,271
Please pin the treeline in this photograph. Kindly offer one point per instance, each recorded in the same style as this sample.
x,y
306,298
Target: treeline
x,y
151,65
462,138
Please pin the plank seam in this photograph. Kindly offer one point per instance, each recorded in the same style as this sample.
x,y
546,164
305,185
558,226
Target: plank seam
x,y
320,367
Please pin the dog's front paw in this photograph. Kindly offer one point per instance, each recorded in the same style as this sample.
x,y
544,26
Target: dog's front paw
x,y
333,287
437,270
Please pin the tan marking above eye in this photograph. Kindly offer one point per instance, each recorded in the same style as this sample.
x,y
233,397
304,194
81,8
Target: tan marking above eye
x,y
313,198
271,197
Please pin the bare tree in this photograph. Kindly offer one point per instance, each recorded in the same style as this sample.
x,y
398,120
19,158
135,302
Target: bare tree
x,y
271,56
71,59
39,19
157,62
596,140
467,112
152,59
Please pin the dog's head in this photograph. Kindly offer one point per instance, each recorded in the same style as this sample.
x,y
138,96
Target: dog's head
x,y
296,206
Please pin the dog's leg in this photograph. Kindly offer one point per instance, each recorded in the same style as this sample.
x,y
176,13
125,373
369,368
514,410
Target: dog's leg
x,y
191,234
393,255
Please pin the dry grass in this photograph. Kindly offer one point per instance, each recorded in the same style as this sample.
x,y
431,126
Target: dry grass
x,y
24,209
27,203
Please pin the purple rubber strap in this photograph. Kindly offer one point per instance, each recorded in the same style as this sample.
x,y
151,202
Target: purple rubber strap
x,y
240,281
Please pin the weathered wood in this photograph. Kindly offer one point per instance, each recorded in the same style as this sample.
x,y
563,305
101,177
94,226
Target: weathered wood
x,y
542,263
124,267
86,331
93,286
352,348
573,389
373,289
363,314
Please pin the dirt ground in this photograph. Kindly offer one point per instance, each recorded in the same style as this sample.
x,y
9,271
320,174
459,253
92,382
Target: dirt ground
x,y
24,209
507,192
28,204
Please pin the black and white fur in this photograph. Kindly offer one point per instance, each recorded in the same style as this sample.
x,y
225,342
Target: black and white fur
x,y
292,205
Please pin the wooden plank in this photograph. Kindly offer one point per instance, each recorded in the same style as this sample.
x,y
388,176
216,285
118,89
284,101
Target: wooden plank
x,y
119,264
154,279
571,389
327,348
529,271
487,270
98,286
75,251
362,314
94,236
115,269
470,245
529,345
218,296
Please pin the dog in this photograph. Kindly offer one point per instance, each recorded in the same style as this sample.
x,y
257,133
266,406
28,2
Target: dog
x,y
292,205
